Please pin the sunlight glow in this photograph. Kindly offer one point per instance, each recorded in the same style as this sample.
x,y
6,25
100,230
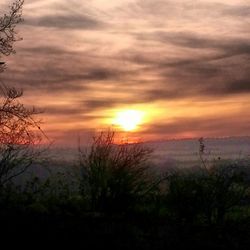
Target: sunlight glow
x,y
129,120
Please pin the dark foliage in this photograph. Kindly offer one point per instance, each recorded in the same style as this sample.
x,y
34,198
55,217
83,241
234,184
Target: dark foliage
x,y
207,194
114,176
195,208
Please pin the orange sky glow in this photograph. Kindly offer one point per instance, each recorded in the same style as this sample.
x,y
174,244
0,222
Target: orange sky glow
x,y
151,69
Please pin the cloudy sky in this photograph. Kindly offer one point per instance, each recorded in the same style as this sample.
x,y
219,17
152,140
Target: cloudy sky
x,y
184,64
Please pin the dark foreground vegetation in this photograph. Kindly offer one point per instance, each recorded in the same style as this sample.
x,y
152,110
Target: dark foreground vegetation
x,y
112,198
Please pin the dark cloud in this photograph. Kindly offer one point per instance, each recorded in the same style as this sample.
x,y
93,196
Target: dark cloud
x,y
101,103
228,46
195,72
164,94
44,51
202,126
104,74
60,70
109,102
68,115
240,86
62,111
231,87
66,22
45,80
185,10
196,78
240,11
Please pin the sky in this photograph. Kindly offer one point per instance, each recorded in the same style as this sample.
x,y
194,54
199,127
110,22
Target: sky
x,y
184,65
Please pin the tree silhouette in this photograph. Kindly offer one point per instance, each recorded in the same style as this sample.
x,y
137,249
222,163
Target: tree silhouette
x,y
114,176
8,34
19,129
18,135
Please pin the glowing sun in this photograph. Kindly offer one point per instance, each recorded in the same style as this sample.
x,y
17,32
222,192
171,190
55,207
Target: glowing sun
x,y
128,120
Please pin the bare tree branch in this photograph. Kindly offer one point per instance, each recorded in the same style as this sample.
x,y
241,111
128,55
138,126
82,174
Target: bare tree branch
x,y
8,33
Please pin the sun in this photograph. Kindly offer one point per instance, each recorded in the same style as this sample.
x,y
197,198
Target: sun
x,y
128,120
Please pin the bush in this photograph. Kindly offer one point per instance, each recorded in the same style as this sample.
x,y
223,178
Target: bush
x,y
114,176
206,193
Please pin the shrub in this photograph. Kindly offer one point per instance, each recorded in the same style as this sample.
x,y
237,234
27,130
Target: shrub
x,y
206,193
114,176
